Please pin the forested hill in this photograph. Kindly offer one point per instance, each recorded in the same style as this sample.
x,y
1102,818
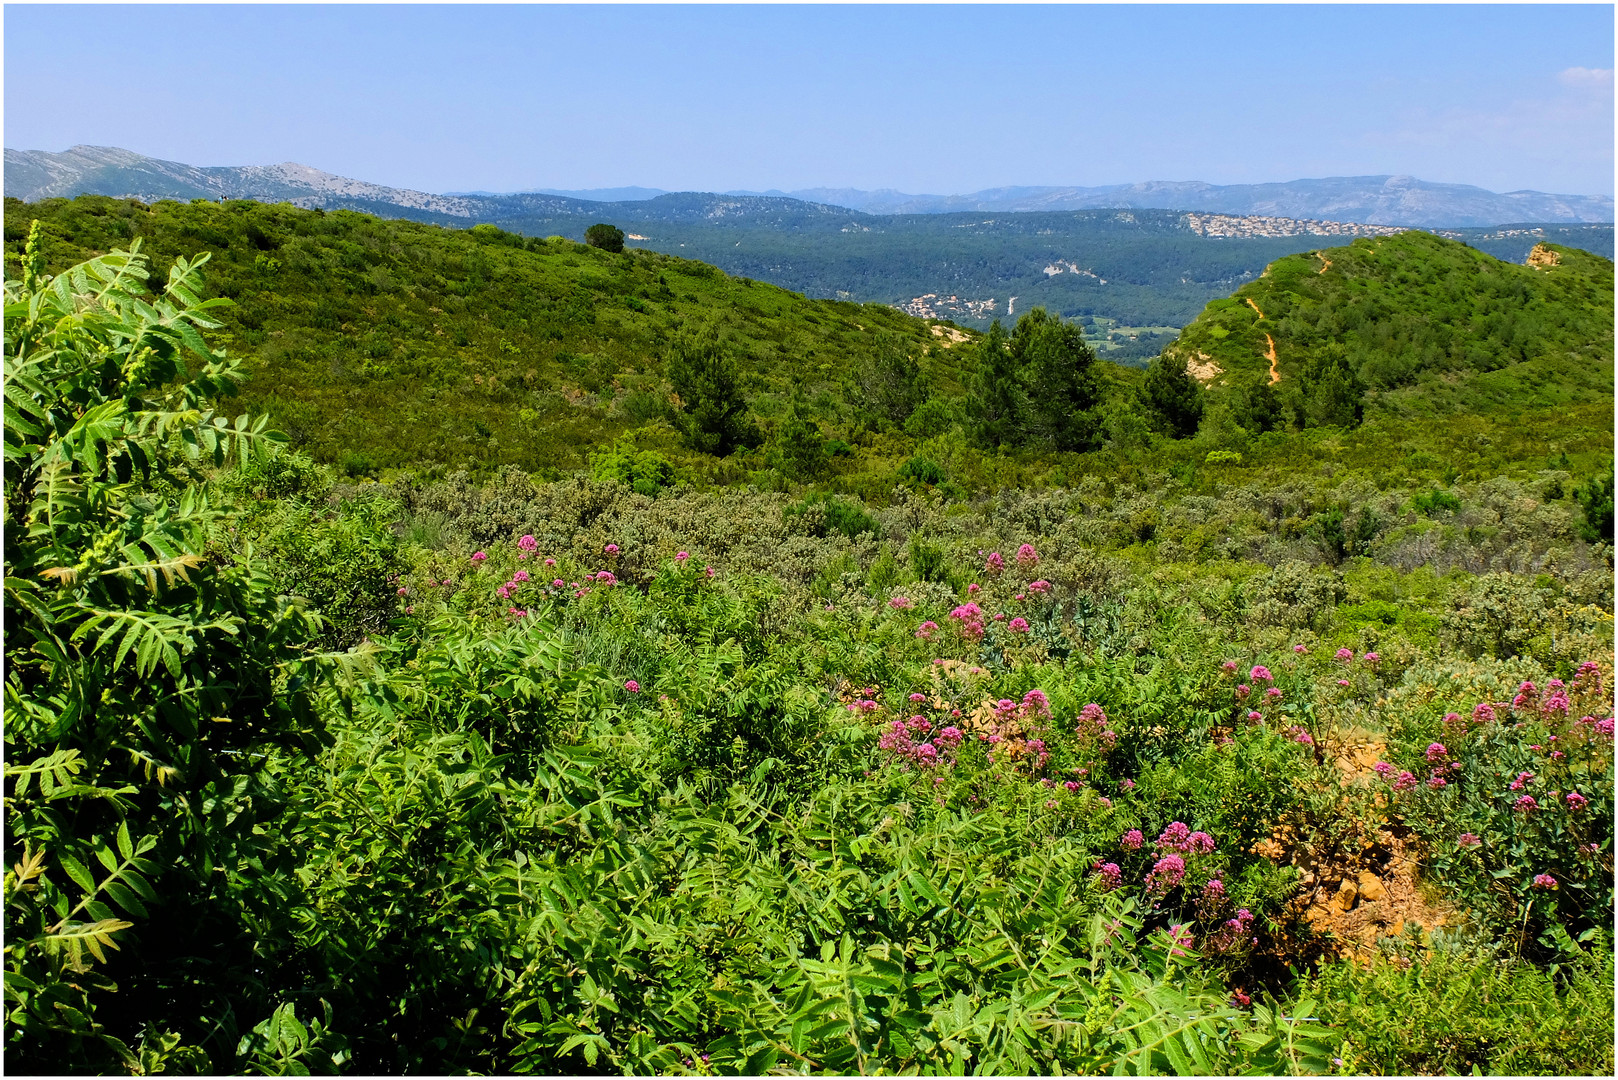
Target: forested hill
x,y
402,343
1412,324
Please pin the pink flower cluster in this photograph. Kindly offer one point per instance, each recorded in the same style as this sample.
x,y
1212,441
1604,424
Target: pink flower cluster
x,y
1232,934
901,740
1179,837
1108,876
1165,874
1027,557
1092,727
1556,702
969,620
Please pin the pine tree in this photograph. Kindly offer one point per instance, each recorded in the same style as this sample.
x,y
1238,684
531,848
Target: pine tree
x,y
997,405
1172,396
713,413
800,450
1057,369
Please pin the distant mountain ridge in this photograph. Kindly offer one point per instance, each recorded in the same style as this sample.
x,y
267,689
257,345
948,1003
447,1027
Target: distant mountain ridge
x,y
31,175
1372,200
1402,201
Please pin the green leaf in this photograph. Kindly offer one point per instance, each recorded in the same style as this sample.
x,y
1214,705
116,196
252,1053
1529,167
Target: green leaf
x,y
78,873
125,899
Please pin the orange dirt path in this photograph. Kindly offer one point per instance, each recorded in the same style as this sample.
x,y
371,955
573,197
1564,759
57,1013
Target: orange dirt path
x,y
1275,374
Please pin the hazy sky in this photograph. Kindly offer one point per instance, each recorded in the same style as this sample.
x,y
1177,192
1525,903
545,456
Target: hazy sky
x,y
937,99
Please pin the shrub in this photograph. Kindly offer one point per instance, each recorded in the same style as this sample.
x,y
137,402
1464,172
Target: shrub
x,y
644,471
922,470
825,514
150,679
1460,1008
1595,500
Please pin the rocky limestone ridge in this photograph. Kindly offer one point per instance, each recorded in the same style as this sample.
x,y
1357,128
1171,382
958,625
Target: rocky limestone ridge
x,y
107,170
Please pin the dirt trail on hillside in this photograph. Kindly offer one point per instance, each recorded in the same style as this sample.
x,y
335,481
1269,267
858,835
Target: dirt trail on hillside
x,y
1326,266
1275,373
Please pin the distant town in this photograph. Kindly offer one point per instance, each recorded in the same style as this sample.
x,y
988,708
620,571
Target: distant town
x,y
1251,226
933,306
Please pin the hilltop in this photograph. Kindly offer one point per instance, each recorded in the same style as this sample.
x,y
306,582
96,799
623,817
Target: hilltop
x,y
1414,322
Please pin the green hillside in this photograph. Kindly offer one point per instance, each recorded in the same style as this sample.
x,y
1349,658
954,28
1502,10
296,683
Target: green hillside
x,y
1409,309
408,344
385,345
1411,328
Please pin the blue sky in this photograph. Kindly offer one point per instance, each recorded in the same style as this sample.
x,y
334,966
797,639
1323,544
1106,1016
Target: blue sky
x,y
937,99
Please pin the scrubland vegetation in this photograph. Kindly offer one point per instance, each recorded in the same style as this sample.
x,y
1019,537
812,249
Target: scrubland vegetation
x,y
781,730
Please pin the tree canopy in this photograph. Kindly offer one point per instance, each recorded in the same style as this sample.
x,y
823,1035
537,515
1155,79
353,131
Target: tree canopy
x,y
606,237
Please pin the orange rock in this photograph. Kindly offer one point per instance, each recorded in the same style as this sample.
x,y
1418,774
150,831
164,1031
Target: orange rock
x,y
1371,887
